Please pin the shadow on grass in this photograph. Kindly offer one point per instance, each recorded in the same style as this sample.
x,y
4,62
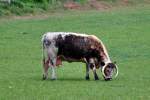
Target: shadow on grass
x,y
69,79
72,79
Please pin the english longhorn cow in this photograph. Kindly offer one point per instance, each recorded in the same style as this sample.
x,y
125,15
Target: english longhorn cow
x,y
76,47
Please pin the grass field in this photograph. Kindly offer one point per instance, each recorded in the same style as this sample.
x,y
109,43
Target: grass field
x,y
125,32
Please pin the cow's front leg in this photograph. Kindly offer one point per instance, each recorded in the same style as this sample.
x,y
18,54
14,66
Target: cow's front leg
x,y
93,67
94,72
87,72
53,76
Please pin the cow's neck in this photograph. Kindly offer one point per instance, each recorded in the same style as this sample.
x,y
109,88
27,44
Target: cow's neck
x,y
106,61
104,54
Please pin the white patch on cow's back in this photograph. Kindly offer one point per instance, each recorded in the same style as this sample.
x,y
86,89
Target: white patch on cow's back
x,y
53,35
78,34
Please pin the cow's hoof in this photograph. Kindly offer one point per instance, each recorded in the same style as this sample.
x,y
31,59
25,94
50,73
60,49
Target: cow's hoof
x,y
87,78
44,77
53,78
96,78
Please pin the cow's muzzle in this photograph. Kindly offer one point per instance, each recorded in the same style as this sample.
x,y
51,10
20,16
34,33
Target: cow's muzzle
x,y
107,79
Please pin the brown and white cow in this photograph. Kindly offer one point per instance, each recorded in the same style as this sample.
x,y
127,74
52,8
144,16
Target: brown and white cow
x,y
75,47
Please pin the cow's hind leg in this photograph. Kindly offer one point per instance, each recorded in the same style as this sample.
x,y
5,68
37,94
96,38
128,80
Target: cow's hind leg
x,y
53,68
45,68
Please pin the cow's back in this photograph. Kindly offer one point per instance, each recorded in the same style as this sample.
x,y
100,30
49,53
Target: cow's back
x,y
77,46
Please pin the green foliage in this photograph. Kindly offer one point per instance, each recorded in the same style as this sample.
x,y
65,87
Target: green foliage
x,y
125,32
45,3
18,4
20,7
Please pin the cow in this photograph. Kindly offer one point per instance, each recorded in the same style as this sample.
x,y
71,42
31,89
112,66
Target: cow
x,y
76,47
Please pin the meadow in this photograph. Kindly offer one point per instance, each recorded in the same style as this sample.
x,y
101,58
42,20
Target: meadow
x,y
124,31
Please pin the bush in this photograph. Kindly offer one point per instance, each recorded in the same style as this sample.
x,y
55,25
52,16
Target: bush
x,y
45,3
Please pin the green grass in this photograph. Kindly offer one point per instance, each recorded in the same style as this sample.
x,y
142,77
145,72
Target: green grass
x,y
125,32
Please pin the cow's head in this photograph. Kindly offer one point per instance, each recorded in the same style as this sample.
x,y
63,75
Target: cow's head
x,y
109,70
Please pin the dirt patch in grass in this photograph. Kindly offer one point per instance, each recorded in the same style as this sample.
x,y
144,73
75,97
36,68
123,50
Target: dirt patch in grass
x,y
91,4
99,5
72,5
102,4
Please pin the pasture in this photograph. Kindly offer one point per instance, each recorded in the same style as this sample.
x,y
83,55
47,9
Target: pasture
x,y
125,32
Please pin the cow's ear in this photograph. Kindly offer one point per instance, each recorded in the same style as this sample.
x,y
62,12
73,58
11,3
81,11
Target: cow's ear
x,y
115,62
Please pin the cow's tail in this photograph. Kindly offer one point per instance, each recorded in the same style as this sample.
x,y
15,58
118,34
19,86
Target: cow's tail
x,y
43,51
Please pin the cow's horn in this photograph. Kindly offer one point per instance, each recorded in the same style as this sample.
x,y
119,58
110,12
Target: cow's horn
x,y
116,68
103,71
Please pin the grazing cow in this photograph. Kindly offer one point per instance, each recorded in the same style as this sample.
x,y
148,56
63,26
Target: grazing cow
x,y
74,47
